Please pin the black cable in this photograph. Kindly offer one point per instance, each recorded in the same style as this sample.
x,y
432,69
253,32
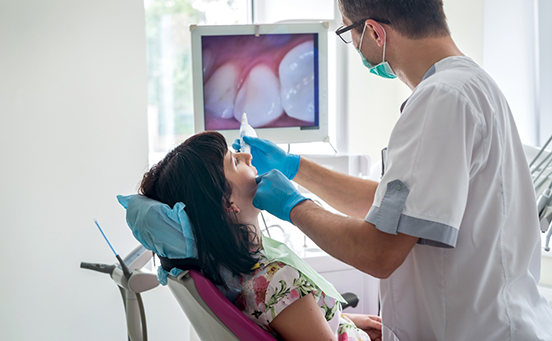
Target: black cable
x,y
125,269
266,227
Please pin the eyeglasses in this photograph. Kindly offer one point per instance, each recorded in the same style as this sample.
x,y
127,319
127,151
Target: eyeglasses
x,y
344,32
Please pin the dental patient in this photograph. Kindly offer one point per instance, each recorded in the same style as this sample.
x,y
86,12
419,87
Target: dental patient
x,y
213,189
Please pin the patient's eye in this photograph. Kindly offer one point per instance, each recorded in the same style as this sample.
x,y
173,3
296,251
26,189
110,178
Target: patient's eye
x,y
236,161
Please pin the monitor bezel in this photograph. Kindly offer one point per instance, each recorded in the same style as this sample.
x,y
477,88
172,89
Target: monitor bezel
x,y
277,135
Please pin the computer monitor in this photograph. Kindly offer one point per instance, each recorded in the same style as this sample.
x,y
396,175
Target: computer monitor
x,y
275,73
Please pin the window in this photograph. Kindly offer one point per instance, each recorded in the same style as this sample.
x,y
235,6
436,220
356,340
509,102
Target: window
x,y
170,106
523,73
544,71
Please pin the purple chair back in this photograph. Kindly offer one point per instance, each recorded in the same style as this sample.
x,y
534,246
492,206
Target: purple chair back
x,y
230,315
211,313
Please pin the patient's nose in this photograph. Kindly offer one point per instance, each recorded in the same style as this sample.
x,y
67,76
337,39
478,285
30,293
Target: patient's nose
x,y
248,157
245,157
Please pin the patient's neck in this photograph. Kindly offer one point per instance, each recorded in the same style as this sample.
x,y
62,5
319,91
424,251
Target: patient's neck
x,y
251,220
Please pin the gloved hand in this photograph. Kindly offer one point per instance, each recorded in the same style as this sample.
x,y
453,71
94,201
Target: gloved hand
x,y
268,156
276,194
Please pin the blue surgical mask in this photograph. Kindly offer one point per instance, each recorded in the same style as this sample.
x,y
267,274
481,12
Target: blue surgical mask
x,y
383,69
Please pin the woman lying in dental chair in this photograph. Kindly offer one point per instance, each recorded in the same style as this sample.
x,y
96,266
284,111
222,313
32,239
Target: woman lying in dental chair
x,y
277,290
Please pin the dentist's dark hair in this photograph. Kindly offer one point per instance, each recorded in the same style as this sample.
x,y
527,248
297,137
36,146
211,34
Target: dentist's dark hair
x,y
193,173
414,19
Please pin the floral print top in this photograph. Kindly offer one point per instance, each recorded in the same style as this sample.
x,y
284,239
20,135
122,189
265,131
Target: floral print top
x,y
274,286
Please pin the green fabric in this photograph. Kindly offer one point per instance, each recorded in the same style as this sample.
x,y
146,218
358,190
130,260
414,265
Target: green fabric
x,y
280,252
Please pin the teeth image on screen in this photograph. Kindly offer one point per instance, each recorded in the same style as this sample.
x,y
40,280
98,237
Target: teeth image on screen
x,y
221,90
271,78
259,97
297,82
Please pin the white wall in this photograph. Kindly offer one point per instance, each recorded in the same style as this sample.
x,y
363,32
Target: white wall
x,y
546,271
73,135
374,102
510,58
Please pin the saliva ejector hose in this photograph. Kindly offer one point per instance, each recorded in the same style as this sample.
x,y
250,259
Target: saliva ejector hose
x,y
245,130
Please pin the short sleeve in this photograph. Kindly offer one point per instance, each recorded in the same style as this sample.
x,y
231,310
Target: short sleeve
x,y
271,289
287,286
432,152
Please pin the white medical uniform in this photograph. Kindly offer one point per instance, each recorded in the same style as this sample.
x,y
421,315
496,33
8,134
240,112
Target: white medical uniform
x,y
456,177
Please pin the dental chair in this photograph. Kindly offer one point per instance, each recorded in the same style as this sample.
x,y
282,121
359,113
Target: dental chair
x,y
211,314
167,232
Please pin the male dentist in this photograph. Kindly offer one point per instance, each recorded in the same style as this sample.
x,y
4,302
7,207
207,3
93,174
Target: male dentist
x,y
451,228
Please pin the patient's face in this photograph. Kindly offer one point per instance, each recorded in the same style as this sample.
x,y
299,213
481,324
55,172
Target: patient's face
x,y
241,174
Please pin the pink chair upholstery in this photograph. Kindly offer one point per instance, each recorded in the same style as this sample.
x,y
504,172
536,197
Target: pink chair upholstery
x,y
210,312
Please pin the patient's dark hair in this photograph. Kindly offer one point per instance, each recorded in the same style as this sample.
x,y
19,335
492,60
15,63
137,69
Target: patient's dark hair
x,y
193,173
414,19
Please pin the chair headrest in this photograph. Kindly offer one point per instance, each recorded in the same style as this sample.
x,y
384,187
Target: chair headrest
x,y
164,230
167,232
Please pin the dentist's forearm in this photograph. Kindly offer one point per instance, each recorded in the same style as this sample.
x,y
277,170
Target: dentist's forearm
x,y
353,240
347,194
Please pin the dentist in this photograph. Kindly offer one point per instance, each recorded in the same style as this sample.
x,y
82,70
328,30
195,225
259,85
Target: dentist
x,y
451,228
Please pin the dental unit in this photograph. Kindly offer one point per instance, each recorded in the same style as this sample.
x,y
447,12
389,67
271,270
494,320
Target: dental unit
x,y
131,281
544,200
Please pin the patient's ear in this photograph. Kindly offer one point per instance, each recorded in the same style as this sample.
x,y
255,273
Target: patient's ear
x,y
231,207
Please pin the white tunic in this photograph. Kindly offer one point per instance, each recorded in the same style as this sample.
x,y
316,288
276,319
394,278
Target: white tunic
x,y
457,178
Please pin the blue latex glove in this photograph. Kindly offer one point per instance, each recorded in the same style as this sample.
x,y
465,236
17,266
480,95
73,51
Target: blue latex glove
x,y
276,194
268,156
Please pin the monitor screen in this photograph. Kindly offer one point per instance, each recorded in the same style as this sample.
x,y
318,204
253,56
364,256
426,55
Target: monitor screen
x,y
273,73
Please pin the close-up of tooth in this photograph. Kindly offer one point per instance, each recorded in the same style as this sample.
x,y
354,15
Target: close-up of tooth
x,y
221,90
259,97
296,73
207,61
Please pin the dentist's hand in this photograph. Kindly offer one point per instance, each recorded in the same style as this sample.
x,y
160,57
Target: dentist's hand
x,y
276,194
268,156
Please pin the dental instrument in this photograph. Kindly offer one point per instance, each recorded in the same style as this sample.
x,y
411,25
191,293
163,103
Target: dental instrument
x,y
543,169
245,130
544,199
544,180
131,282
539,168
126,272
547,242
541,151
